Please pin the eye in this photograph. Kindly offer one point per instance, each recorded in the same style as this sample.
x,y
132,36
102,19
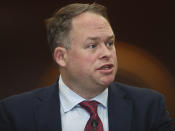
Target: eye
x,y
91,46
108,44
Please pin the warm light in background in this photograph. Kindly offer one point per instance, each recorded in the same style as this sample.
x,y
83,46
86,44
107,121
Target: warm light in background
x,y
143,65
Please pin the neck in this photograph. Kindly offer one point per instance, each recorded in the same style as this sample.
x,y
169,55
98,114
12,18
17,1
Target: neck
x,y
86,91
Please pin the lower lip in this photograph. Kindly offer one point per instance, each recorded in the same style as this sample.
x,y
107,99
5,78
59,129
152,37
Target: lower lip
x,y
106,71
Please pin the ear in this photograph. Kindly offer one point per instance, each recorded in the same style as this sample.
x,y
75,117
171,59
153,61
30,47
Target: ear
x,y
60,56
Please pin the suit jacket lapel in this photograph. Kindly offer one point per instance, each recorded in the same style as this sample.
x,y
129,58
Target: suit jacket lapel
x,y
119,110
47,110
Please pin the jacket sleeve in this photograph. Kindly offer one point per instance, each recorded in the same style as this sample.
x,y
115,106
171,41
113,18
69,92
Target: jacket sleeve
x,y
163,121
5,122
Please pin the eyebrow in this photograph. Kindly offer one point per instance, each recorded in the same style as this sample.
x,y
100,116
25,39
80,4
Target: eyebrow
x,y
97,38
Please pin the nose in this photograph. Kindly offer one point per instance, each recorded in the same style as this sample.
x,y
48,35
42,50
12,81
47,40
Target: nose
x,y
105,52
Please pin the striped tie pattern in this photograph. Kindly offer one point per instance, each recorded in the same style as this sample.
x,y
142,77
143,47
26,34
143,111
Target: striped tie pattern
x,y
94,123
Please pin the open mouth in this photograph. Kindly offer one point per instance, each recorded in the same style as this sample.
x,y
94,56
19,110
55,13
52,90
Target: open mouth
x,y
106,67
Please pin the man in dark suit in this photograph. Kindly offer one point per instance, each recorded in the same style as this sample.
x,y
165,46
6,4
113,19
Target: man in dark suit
x,y
85,96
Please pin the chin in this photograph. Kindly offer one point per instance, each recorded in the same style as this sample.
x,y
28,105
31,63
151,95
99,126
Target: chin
x,y
107,82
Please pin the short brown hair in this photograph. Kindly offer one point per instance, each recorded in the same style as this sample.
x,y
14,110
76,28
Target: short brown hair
x,y
60,24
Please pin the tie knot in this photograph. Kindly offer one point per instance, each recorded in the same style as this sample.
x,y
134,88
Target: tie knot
x,y
90,106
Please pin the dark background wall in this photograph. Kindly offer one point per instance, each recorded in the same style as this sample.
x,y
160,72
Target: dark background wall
x,y
25,57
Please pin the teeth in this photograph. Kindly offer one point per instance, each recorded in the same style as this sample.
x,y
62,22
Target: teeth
x,y
106,67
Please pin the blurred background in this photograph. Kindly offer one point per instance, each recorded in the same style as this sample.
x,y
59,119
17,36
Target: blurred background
x,y
145,45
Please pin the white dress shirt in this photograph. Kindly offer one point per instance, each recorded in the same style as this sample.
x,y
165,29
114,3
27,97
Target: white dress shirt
x,y
73,116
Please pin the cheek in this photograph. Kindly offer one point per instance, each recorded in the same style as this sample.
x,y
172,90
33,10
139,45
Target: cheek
x,y
84,58
86,65
115,61
81,61
82,64
114,54
89,60
115,57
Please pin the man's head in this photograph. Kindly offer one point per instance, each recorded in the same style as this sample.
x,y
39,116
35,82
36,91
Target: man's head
x,y
89,64
60,24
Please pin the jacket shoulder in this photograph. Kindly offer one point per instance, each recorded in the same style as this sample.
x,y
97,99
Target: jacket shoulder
x,y
26,98
149,108
135,92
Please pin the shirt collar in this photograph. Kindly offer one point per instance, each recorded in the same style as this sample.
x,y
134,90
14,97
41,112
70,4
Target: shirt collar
x,y
70,99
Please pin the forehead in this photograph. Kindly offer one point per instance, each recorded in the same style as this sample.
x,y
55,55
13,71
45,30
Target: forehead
x,y
89,18
91,23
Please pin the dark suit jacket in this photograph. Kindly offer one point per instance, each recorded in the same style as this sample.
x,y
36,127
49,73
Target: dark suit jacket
x,y
129,109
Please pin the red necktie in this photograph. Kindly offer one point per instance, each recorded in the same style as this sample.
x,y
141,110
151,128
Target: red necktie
x,y
94,123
